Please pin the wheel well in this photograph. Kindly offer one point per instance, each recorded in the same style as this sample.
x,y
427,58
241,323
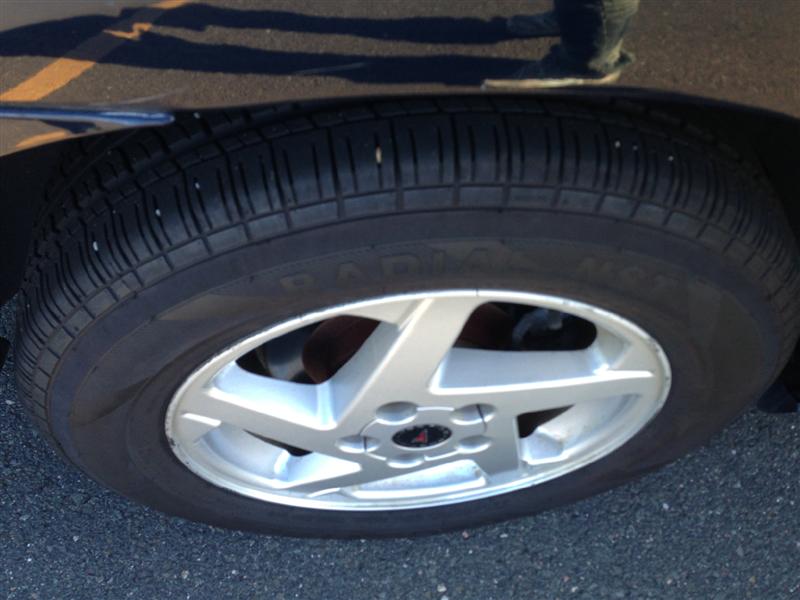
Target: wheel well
x,y
769,140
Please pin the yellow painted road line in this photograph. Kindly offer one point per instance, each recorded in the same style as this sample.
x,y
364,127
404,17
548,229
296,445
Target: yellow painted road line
x,y
83,57
54,76
42,138
169,4
134,34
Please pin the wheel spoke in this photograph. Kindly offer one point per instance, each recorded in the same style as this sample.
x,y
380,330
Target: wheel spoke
x,y
398,361
631,355
370,471
521,382
290,413
502,456
322,480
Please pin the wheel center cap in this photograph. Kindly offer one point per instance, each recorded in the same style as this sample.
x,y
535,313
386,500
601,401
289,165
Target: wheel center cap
x,y
421,436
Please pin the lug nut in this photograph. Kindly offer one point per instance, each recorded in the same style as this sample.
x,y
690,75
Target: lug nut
x,y
476,443
405,461
397,413
468,415
357,444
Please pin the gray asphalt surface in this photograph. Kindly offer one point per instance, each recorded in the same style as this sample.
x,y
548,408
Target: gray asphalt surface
x,y
721,523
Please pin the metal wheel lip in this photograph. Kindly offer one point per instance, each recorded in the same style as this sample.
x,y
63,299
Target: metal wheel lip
x,y
566,305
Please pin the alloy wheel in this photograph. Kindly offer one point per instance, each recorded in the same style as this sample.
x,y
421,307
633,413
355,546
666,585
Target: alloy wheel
x,y
413,417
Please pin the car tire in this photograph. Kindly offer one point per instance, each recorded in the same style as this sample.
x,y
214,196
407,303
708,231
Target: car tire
x,y
164,247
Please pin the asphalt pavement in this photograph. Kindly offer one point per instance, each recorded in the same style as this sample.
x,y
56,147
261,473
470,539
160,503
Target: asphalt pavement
x,y
720,523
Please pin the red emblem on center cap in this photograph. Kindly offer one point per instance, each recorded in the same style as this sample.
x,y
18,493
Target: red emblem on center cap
x,y
422,437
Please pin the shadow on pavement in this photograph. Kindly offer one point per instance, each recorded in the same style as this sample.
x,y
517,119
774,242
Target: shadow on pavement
x,y
159,51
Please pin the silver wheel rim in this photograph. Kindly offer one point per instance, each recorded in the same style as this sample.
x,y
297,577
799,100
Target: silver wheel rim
x,y
407,381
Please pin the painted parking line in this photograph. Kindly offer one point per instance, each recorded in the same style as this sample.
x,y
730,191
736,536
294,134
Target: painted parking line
x,y
83,57
42,138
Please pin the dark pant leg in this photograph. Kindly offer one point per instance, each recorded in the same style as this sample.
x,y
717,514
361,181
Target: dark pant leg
x,y
592,32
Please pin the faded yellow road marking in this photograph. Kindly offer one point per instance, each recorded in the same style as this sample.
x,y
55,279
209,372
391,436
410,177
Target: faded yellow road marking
x,y
83,57
42,138
169,4
134,34
54,76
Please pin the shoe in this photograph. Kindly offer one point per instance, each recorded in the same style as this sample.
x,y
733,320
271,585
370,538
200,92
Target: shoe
x,y
552,72
541,25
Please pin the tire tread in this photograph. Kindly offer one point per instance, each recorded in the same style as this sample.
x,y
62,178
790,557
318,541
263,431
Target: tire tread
x,y
129,209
